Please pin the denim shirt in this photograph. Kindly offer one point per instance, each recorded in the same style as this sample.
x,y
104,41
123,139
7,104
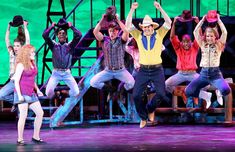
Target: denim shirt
x,y
62,52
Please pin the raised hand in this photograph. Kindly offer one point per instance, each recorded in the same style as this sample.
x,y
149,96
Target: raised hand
x,y
25,23
157,5
134,5
53,24
175,19
196,19
69,24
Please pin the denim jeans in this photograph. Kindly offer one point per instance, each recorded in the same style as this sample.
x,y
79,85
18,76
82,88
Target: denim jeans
x,y
212,76
179,78
123,75
68,79
143,77
7,92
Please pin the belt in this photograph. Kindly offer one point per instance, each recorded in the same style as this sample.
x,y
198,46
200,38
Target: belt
x,y
115,68
150,66
187,71
58,69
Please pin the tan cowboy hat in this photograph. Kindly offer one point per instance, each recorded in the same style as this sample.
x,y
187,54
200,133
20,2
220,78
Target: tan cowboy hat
x,y
148,21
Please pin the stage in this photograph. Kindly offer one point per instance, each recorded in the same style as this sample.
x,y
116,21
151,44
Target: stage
x,y
123,137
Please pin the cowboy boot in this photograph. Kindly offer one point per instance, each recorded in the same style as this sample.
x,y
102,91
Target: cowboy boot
x,y
206,96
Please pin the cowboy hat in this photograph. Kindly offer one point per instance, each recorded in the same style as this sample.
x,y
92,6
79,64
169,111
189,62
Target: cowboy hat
x,y
110,13
63,24
211,16
148,21
185,16
17,21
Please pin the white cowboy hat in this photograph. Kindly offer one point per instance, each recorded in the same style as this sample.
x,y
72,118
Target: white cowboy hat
x,y
148,21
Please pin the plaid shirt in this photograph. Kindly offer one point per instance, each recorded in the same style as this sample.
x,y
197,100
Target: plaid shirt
x,y
114,52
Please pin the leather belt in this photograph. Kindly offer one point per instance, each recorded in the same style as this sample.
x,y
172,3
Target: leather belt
x,y
150,66
115,68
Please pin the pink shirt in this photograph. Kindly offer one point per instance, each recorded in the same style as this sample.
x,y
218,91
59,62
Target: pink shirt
x,y
27,81
186,59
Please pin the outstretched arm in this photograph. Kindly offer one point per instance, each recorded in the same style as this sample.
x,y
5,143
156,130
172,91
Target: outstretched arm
x,y
165,16
77,35
7,39
197,31
46,36
224,34
125,34
26,32
98,35
129,16
173,28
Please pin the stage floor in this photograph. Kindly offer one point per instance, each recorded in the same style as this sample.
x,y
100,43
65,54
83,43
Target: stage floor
x,y
123,137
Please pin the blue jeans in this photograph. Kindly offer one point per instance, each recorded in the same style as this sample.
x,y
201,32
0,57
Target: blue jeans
x,y
68,79
179,78
212,76
7,92
156,75
123,75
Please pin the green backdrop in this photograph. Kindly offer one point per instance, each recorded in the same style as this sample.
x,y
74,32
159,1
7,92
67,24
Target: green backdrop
x,y
35,12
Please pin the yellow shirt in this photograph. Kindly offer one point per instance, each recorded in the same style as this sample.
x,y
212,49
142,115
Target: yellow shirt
x,y
150,56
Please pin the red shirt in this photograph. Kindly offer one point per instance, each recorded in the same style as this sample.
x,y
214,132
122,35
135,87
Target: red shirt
x,y
186,59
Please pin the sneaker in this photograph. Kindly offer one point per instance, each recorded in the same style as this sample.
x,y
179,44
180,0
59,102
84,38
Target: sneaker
x,y
39,141
208,104
219,97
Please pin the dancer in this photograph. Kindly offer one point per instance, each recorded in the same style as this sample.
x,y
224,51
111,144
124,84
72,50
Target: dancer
x,y
114,49
25,95
149,43
7,91
62,58
186,52
212,45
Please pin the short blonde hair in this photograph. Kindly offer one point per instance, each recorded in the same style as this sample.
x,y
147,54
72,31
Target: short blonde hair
x,y
24,56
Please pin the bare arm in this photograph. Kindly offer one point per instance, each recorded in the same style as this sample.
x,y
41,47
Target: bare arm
x,y
7,39
17,77
39,93
197,31
26,32
224,34
98,35
125,34
173,28
165,16
129,16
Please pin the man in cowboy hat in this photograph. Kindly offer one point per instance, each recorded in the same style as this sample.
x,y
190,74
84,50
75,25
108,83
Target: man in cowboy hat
x,y
149,43
62,57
